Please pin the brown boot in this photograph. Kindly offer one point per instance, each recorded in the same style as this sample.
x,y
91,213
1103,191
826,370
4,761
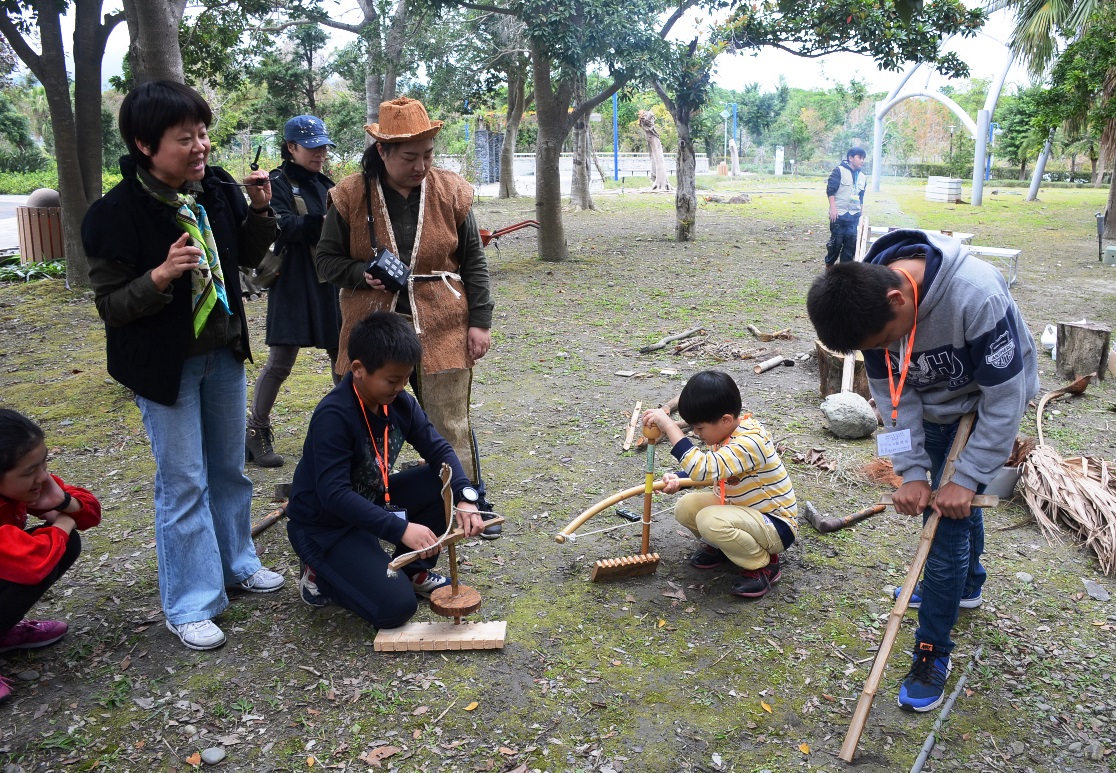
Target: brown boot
x,y
258,447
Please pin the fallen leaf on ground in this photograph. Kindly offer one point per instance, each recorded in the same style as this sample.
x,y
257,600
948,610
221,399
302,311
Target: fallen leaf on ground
x,y
194,759
804,748
508,752
765,707
373,757
420,711
661,622
472,706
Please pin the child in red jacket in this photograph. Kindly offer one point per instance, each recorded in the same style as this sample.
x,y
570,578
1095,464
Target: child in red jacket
x,y
31,560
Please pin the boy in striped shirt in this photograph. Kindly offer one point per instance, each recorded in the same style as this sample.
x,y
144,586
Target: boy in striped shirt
x,y
750,516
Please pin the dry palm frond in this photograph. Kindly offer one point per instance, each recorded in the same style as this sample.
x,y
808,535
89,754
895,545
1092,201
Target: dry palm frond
x,y
1076,495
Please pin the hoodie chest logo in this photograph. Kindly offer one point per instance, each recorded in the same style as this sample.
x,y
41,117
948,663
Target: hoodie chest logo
x,y
1002,351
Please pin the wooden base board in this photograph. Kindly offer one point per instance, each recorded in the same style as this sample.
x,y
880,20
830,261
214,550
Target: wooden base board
x,y
442,636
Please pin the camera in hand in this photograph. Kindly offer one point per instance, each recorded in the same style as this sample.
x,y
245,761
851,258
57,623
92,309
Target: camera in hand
x,y
390,270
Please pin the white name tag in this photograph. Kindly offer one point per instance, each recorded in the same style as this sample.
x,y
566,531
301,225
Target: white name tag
x,y
894,442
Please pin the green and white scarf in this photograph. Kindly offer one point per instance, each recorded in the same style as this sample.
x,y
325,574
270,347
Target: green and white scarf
x,y
207,281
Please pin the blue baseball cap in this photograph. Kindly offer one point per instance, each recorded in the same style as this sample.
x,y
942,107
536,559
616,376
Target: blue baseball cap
x,y
308,131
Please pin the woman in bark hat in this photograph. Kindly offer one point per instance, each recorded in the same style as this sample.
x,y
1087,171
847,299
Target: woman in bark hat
x,y
423,215
301,311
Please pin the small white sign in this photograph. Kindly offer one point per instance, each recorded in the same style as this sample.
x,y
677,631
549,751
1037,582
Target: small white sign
x,y
895,442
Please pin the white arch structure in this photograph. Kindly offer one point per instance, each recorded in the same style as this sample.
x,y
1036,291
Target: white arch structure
x,y
978,129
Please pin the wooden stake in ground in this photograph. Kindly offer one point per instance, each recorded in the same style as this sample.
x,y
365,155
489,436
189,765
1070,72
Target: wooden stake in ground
x,y
632,424
868,694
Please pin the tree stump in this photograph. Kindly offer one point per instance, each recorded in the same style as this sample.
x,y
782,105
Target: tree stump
x,y
1082,349
830,368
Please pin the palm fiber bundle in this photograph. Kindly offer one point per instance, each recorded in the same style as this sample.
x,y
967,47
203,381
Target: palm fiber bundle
x,y
1075,496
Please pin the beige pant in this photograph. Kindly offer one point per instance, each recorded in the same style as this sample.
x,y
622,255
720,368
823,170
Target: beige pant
x,y
742,533
445,398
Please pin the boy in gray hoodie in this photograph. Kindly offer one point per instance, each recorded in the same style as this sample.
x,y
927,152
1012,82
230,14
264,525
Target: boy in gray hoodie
x,y
942,337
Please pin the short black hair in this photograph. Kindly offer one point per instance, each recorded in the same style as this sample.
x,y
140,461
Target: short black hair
x,y
18,437
384,337
856,151
848,303
707,396
152,108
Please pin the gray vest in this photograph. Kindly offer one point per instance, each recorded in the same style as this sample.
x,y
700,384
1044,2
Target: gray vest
x,y
848,194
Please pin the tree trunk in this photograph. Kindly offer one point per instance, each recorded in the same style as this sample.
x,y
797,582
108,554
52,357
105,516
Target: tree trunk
x,y
685,198
552,107
1110,210
154,52
655,148
1094,176
517,102
1083,349
78,153
580,198
1023,169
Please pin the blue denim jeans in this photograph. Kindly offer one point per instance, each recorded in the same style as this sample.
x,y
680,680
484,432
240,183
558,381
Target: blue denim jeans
x,y
203,519
953,567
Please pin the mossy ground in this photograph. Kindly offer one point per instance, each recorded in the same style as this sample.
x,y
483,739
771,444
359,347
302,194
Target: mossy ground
x,y
616,676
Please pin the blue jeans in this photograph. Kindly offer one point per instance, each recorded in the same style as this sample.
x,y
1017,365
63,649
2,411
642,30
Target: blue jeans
x,y
203,501
953,567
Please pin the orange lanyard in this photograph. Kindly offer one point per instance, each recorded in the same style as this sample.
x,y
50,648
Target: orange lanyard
x,y
897,389
381,459
721,484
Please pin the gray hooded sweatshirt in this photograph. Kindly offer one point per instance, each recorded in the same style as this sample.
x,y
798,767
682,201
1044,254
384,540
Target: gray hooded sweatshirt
x,y
972,352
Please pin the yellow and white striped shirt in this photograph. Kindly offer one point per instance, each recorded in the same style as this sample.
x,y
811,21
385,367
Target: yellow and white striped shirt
x,y
750,466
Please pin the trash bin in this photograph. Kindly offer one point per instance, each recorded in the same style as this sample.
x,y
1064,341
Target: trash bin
x,y
40,234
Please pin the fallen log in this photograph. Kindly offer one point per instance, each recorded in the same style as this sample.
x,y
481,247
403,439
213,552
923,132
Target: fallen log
x,y
774,362
828,525
662,342
765,337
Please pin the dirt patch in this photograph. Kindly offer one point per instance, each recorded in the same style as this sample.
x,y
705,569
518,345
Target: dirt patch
x,y
661,673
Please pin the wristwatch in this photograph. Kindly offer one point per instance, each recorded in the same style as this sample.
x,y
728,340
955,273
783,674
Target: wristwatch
x,y
470,495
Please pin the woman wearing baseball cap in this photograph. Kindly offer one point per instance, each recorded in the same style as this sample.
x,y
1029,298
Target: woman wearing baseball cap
x,y
301,310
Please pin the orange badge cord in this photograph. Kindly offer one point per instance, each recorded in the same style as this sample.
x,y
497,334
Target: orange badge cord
x,y
897,389
721,484
381,459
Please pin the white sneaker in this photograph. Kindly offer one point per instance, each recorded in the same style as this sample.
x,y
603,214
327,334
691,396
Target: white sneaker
x,y
263,581
202,635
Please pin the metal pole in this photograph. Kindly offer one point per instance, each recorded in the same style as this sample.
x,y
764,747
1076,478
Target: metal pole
x,y
725,154
735,136
877,148
1040,167
615,138
980,155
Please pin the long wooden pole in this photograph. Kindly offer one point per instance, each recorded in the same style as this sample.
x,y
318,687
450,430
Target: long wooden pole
x,y
872,683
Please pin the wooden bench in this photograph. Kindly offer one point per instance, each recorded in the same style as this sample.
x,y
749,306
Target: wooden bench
x,y
1008,257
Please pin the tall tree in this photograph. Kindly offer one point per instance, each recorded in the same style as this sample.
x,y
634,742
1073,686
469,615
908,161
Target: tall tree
x,y
683,86
1082,94
76,122
892,34
154,53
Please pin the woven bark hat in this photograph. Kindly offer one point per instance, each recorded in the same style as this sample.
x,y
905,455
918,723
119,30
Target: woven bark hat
x,y
403,120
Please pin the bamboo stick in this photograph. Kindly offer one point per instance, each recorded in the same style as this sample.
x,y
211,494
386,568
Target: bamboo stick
x,y
872,683
632,424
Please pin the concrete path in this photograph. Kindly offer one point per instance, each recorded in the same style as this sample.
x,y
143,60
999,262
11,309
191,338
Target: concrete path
x,y
9,233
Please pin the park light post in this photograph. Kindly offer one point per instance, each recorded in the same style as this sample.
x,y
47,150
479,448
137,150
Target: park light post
x,y
994,131
615,138
724,117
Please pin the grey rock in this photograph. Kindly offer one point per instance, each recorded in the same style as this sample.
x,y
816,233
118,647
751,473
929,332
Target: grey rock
x,y
1038,651
1017,748
190,730
213,755
1076,746
11,767
1094,751
1096,591
1024,577
27,676
742,198
849,415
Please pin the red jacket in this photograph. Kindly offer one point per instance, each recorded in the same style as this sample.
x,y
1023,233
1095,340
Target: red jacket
x,y
27,557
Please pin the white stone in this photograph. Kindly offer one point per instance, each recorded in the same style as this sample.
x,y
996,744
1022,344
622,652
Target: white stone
x,y
849,415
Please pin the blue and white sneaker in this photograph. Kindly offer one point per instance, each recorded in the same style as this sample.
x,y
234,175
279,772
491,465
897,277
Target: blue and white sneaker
x,y
308,589
923,688
426,582
968,601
